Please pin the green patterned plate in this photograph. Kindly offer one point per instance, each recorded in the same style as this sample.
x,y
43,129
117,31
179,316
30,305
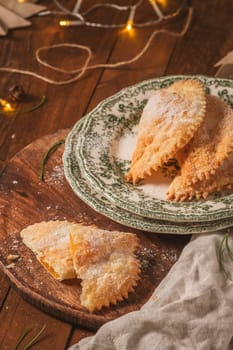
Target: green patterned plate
x,y
105,148
101,204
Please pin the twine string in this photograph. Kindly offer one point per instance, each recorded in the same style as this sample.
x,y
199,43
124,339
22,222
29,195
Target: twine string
x,y
79,72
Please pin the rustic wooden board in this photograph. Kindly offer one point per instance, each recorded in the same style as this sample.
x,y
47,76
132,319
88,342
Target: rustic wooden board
x,y
25,200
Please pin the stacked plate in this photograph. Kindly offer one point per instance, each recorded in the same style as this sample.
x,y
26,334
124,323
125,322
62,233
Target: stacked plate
x,y
97,155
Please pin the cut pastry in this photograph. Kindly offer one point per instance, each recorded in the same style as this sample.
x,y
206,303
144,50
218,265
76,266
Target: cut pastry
x,y
51,244
169,120
222,179
106,263
211,144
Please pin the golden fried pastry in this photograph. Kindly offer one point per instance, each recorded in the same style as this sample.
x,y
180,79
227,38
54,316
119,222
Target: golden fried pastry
x,y
222,179
51,244
106,263
203,156
169,120
211,144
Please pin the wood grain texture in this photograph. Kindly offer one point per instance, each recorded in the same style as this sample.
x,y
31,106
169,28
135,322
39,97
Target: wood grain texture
x,y
152,64
25,200
208,39
65,104
4,288
13,325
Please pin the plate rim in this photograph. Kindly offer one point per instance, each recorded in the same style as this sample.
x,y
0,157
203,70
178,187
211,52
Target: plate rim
x,y
167,215
150,225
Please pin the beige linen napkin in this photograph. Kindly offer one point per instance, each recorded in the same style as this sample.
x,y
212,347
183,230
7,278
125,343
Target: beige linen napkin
x,y
191,309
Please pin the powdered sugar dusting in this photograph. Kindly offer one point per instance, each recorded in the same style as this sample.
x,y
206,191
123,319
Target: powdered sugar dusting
x,y
169,107
123,148
56,176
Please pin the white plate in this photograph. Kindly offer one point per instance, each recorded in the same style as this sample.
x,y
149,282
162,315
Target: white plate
x,y
101,204
105,147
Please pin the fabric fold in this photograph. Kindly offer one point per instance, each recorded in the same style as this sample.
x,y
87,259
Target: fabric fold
x,y
190,309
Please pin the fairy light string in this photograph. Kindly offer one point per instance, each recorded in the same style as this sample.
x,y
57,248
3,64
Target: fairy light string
x,y
79,72
82,21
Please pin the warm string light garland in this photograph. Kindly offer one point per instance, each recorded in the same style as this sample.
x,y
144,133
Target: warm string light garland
x,y
78,73
81,21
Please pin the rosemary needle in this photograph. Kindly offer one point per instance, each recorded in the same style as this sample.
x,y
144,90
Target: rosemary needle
x,y
31,342
47,155
36,106
19,341
34,339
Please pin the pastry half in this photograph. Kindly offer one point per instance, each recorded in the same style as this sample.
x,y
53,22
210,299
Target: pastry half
x,y
222,179
106,263
204,166
169,120
51,244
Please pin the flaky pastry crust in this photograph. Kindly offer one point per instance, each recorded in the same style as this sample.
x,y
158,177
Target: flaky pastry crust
x,y
50,242
203,156
106,263
169,120
222,179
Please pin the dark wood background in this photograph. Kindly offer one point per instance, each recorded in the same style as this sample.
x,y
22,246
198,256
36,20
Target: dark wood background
x,y
209,38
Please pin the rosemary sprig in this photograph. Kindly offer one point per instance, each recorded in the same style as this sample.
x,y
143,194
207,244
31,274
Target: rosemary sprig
x,y
224,246
21,338
47,155
33,341
36,106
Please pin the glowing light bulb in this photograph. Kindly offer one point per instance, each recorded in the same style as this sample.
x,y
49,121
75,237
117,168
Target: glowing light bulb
x,y
129,26
6,106
64,23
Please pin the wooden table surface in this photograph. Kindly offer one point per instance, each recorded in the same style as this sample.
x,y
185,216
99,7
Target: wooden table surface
x,y
208,39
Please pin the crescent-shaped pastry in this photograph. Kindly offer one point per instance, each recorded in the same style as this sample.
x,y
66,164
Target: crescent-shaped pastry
x,y
222,179
169,120
106,263
211,144
201,158
51,244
